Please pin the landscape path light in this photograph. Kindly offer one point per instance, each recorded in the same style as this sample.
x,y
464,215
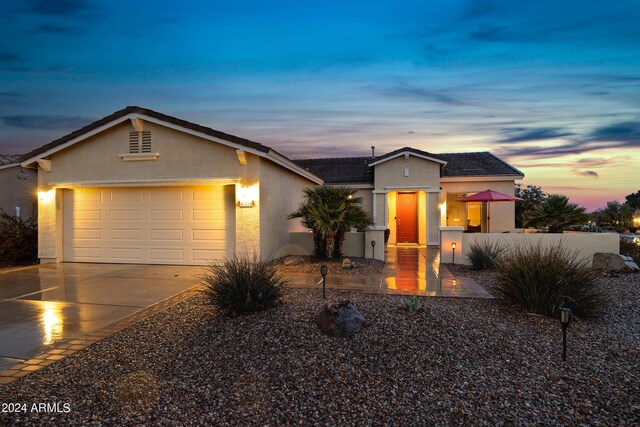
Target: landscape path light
x,y
323,271
565,319
373,249
453,252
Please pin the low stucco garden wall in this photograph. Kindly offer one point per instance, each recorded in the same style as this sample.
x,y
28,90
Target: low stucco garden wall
x,y
586,244
301,243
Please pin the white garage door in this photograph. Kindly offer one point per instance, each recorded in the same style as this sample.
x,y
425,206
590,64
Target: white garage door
x,y
168,225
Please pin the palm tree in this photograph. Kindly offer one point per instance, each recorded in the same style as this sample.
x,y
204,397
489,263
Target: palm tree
x,y
556,213
330,212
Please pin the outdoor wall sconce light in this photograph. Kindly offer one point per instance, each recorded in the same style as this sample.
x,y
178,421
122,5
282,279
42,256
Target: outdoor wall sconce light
x,y
565,319
247,196
453,252
46,196
324,271
373,249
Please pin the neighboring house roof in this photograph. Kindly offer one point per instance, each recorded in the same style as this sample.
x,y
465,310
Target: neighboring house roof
x,y
144,113
357,170
9,161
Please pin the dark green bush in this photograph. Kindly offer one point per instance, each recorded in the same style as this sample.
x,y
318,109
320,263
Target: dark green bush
x,y
485,255
18,240
631,248
542,280
243,284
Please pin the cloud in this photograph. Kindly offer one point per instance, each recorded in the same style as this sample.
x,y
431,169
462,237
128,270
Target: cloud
x,y
55,29
621,132
533,134
491,33
591,174
10,57
614,135
46,122
410,92
60,7
11,95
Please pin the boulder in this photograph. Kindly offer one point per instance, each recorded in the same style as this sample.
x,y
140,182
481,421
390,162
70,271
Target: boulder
x,y
339,319
293,260
610,262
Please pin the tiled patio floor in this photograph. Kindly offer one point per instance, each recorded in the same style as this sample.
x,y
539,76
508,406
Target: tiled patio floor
x,y
409,270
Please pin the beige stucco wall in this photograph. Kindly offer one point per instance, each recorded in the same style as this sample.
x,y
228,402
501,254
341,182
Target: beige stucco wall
x,y
281,192
422,173
585,244
50,220
182,156
301,243
18,188
502,213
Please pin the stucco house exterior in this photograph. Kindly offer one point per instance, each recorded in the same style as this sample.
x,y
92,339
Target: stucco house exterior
x,y
142,187
17,188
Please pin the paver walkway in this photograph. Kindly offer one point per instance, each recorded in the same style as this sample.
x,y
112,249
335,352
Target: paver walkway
x,y
409,270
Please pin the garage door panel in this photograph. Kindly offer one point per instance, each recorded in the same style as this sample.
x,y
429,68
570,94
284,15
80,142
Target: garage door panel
x,y
90,253
166,254
125,253
159,234
87,215
166,215
208,234
167,195
125,234
126,195
185,225
125,214
88,234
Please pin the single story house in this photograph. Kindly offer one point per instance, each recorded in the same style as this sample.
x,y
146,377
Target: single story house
x,y
17,188
142,187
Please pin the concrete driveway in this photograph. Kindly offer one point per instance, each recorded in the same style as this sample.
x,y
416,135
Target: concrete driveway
x,y
44,304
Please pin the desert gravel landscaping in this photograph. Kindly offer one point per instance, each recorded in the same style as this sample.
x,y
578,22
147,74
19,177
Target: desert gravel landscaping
x,y
458,361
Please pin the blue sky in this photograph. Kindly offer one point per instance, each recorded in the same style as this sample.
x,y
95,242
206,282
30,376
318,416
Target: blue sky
x,y
552,86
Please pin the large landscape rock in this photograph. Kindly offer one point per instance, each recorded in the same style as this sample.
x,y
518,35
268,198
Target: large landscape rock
x,y
610,262
339,319
293,260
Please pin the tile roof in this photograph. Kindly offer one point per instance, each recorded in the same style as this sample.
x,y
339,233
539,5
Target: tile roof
x,y
8,160
475,164
407,149
356,170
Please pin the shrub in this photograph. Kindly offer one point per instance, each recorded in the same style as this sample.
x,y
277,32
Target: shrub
x,y
542,280
484,255
631,248
412,304
18,240
243,284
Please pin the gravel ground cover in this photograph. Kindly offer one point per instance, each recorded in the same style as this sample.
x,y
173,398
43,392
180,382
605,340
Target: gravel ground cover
x,y
458,361
312,265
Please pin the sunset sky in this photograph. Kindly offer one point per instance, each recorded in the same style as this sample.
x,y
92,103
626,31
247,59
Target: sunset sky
x,y
552,86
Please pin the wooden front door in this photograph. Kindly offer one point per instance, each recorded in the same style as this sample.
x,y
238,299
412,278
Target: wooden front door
x,y
407,217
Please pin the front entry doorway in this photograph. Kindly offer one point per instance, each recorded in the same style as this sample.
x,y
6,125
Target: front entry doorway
x,y
407,217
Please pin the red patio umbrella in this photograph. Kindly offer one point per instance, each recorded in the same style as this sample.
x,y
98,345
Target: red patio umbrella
x,y
490,196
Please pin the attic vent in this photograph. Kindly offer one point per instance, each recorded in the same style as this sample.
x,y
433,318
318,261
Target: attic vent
x,y
146,141
134,143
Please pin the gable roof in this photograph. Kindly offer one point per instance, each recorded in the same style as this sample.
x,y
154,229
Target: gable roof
x,y
360,170
133,112
407,150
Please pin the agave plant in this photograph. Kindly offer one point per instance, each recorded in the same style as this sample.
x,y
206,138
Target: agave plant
x,y
329,212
